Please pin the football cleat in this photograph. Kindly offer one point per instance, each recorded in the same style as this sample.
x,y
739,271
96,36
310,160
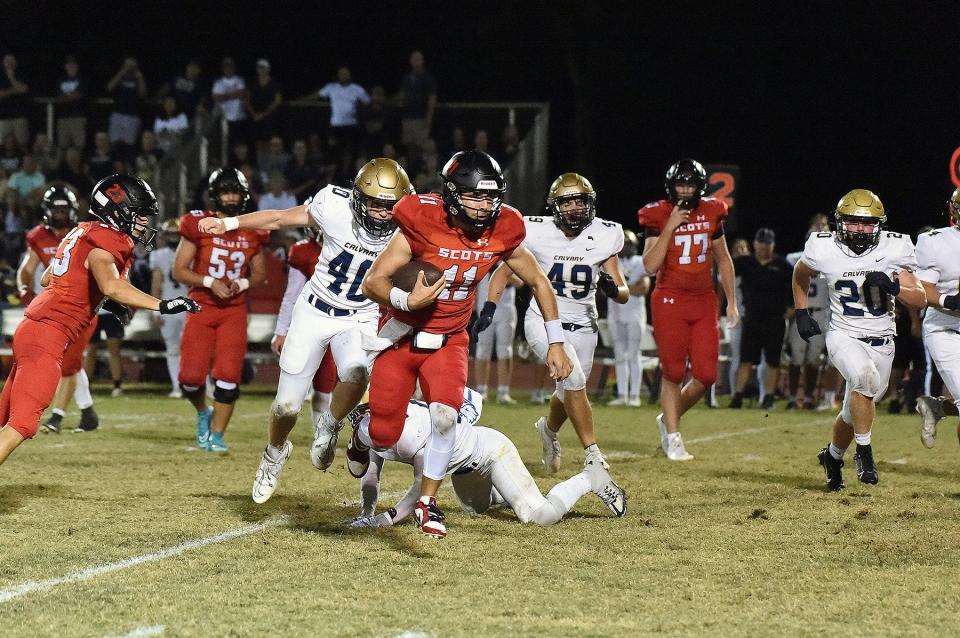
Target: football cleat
x,y
203,427
736,402
216,443
506,399
832,470
89,420
768,402
175,394
606,489
931,411
634,403
662,426
53,423
675,449
551,446
116,392
619,401
429,518
324,447
866,468
268,474
358,456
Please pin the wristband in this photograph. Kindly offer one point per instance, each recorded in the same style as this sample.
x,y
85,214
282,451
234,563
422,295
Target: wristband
x,y
942,299
231,223
554,331
208,281
399,299
243,284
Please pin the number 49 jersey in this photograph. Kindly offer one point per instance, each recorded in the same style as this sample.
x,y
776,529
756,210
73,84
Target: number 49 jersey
x,y
348,252
853,310
225,257
573,264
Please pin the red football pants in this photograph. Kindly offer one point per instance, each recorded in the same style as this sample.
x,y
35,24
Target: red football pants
x,y
325,380
442,374
685,328
73,357
37,355
214,337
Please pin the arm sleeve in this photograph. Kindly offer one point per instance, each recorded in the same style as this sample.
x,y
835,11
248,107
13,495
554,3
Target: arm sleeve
x,y
295,284
404,507
927,269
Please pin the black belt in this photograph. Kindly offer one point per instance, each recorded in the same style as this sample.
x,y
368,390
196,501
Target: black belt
x,y
573,327
875,341
320,305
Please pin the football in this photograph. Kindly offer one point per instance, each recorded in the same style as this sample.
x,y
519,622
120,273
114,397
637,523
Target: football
x,y
406,275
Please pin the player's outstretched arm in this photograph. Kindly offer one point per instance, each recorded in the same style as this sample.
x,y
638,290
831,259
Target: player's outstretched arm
x,y
101,265
614,285
525,265
724,262
296,217
377,285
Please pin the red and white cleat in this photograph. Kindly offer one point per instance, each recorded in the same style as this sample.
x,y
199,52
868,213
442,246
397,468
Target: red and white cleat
x,y
429,518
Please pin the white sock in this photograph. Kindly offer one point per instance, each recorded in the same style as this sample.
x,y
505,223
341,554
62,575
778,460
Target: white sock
x,y
273,453
829,396
82,394
173,369
436,460
593,448
623,379
863,439
570,491
503,390
59,412
836,452
636,379
482,390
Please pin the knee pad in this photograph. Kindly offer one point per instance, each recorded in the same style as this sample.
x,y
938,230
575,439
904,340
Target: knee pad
x,y
867,381
226,395
353,373
577,379
443,417
191,391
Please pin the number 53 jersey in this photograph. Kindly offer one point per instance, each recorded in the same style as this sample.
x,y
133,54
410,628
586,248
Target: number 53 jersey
x,y
853,310
225,257
573,264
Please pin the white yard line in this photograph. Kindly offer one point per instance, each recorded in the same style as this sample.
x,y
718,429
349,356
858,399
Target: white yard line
x,y
142,632
31,586
727,435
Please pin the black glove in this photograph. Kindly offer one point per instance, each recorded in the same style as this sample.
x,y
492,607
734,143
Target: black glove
x,y
807,326
178,305
951,302
118,310
882,281
485,319
608,286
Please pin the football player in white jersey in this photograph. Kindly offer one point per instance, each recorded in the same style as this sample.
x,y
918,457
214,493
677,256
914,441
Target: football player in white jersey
x,y
486,469
501,318
939,273
331,312
863,266
571,247
164,286
628,324
805,355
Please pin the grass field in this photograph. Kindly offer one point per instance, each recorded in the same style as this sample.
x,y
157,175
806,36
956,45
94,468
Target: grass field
x,y
742,541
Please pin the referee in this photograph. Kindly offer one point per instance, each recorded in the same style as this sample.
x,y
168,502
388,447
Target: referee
x,y
767,299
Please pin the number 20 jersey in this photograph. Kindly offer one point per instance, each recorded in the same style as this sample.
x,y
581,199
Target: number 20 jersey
x,y
688,266
348,252
844,272
573,264
225,257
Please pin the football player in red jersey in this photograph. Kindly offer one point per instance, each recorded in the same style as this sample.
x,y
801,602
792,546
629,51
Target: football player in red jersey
x,y
302,258
684,238
218,270
465,232
60,208
84,274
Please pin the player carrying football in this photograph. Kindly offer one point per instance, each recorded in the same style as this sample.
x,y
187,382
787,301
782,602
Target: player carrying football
x,y
84,274
465,232
863,267
579,252
684,238
219,271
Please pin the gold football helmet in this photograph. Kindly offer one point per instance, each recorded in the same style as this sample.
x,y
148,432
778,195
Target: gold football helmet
x,y
572,187
630,243
861,208
953,208
380,183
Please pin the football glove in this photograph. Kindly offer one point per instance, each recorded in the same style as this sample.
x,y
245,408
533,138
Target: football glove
x,y
807,326
485,319
118,310
608,286
951,302
178,305
882,281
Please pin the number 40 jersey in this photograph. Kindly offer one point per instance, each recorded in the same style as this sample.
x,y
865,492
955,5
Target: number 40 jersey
x,y
573,264
348,252
852,310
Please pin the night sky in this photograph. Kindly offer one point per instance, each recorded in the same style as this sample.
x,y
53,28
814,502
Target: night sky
x,y
809,103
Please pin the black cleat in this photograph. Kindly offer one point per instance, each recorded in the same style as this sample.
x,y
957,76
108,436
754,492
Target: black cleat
x,y
53,423
791,405
866,468
768,402
89,421
736,402
832,469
